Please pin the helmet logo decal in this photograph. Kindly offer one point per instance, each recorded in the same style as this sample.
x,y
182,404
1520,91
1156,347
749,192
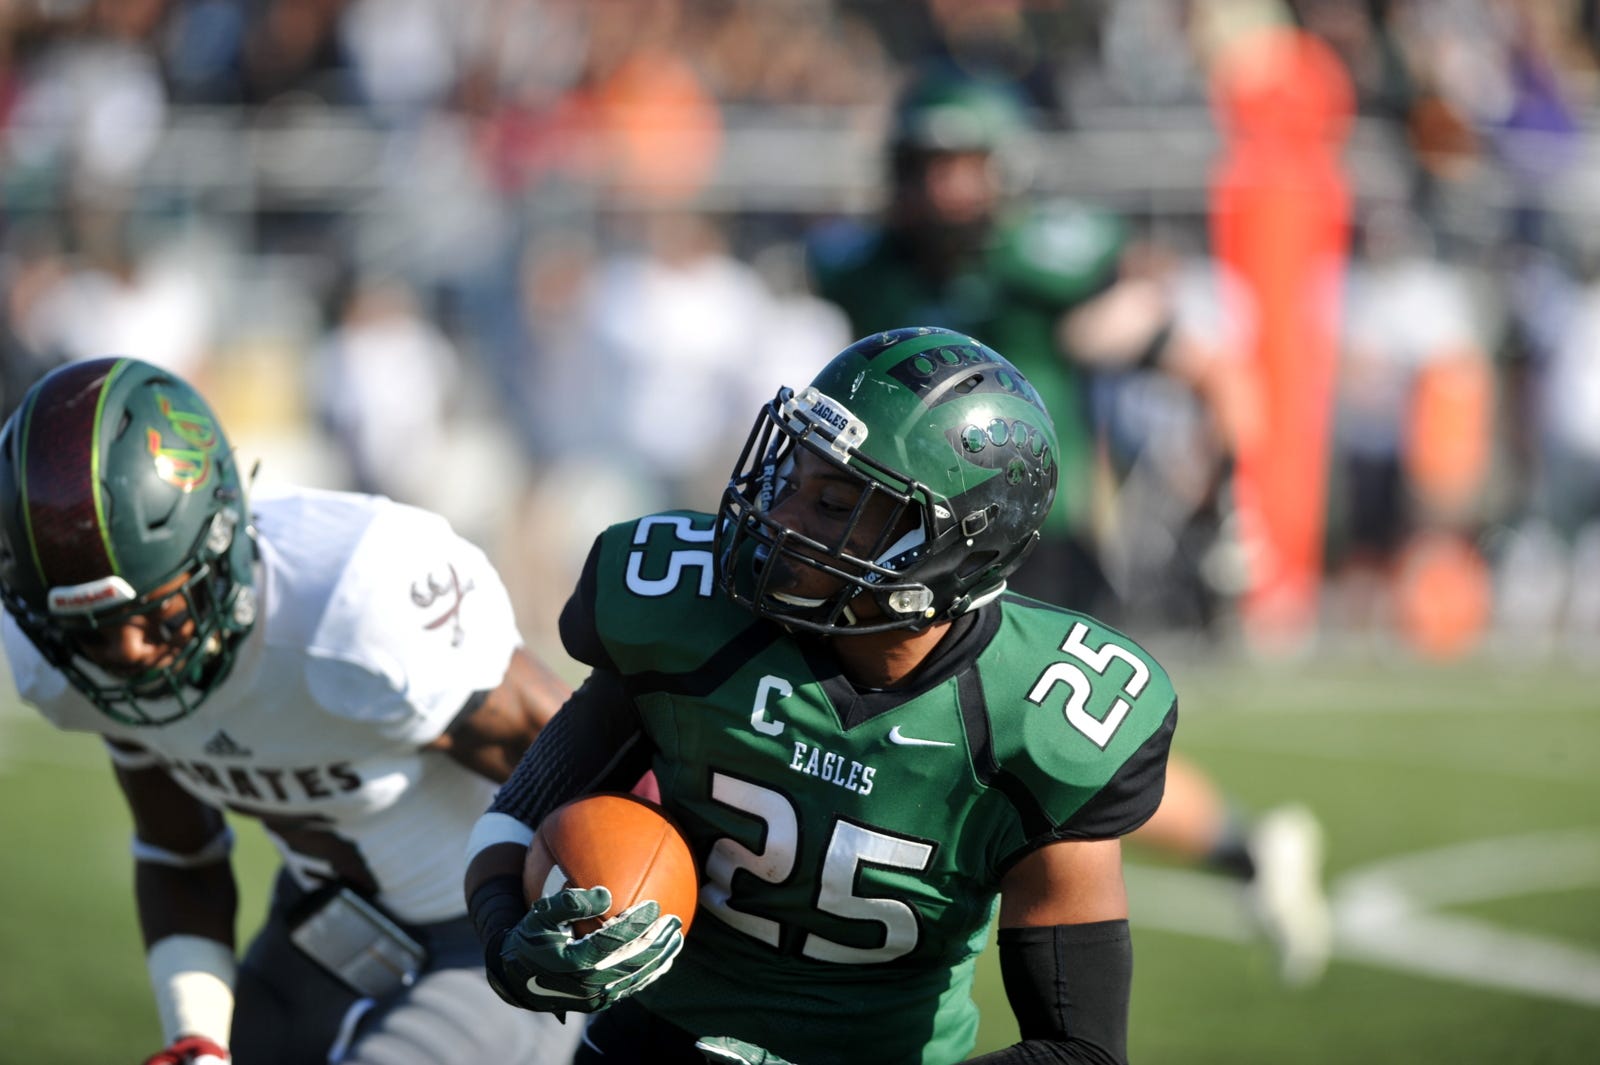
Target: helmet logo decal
x,y
90,596
452,615
1001,433
185,468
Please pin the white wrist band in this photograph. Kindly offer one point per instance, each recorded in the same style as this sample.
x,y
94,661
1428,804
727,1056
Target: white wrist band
x,y
493,828
192,977
220,846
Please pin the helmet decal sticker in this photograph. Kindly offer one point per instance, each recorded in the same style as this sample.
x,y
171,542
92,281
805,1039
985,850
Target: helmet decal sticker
x,y
1000,433
185,468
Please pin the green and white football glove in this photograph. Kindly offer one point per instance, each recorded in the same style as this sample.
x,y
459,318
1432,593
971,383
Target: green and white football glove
x,y
725,1050
541,966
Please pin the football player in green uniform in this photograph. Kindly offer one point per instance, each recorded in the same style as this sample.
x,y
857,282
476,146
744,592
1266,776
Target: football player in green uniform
x,y
875,749
954,248
1053,284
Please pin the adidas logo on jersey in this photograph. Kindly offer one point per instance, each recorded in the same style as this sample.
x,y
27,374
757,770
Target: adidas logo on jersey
x,y
223,745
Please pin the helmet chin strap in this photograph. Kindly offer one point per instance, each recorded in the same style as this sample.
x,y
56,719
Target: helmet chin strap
x,y
800,601
806,603
987,597
911,539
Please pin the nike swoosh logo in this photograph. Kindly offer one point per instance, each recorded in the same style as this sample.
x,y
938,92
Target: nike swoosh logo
x,y
539,989
896,736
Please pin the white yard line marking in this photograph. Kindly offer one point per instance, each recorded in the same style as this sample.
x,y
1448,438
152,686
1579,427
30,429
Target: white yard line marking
x,y
1383,916
1481,869
1513,763
1394,933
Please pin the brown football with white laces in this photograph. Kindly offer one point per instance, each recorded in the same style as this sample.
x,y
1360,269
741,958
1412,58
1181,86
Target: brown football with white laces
x,y
622,842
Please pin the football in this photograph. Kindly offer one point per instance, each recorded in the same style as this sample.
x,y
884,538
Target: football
x,y
623,842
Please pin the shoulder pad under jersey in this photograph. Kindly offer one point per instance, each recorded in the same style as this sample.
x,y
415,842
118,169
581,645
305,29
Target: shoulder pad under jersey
x,y
415,622
1082,718
1058,252
648,599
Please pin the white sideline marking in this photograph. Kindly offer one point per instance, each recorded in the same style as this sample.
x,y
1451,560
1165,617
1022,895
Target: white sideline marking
x,y
1382,912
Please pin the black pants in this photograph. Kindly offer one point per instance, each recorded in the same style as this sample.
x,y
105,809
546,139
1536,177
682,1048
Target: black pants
x,y
627,1033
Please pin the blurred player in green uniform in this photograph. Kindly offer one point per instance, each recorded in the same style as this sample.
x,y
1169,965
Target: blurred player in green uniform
x,y
953,250
1059,286
876,750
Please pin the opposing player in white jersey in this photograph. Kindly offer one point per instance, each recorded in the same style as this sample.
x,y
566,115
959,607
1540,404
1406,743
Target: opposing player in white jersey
x,y
343,668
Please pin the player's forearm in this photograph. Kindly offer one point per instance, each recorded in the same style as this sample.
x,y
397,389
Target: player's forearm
x,y
199,901
1069,986
594,744
493,886
186,914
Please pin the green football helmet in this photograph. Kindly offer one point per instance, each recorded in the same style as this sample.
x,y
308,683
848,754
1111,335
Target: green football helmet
x,y
946,109
935,422
946,112
117,483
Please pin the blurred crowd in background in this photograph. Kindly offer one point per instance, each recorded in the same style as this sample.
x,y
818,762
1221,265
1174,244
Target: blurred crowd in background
x,y
534,263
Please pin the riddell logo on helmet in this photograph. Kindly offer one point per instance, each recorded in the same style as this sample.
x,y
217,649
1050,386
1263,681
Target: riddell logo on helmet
x,y
85,598
186,468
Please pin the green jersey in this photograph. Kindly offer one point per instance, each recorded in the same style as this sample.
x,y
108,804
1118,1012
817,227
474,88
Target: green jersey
x,y
1040,261
852,842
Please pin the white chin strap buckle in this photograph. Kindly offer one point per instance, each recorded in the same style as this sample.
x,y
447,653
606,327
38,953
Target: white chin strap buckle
x,y
917,600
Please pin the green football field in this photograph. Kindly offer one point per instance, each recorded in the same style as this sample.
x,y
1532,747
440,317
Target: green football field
x,y
1462,807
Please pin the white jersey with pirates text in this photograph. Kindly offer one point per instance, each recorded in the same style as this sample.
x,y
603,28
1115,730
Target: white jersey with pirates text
x,y
378,624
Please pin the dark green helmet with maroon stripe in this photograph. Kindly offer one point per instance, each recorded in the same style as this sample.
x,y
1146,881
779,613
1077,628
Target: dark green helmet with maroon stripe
x,y
119,492
937,423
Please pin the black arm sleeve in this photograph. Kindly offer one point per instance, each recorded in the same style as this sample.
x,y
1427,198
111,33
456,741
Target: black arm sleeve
x,y
595,743
1069,986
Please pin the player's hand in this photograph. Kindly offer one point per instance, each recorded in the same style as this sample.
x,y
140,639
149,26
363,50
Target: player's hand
x,y
540,965
725,1050
191,1050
